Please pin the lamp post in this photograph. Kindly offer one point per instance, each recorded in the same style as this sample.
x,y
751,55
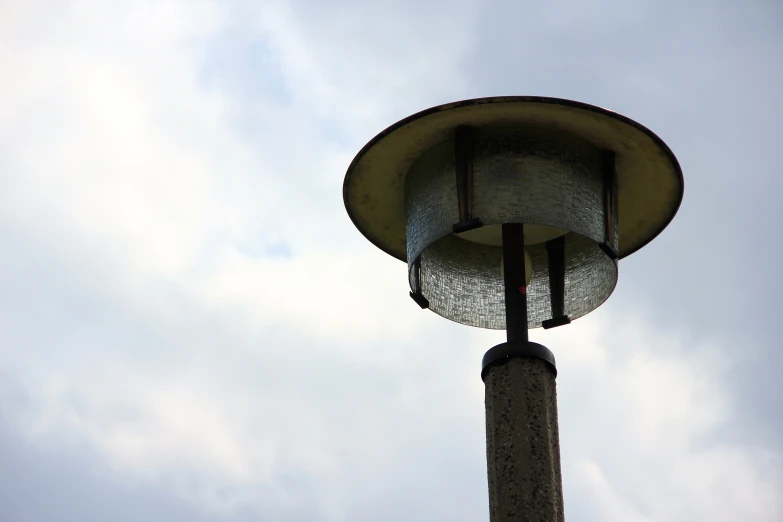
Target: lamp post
x,y
512,213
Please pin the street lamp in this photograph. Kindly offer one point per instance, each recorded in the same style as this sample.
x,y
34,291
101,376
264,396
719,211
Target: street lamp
x,y
512,213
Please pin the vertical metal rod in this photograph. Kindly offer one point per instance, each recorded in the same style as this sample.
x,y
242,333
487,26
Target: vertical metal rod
x,y
416,294
610,206
463,165
464,145
556,258
514,281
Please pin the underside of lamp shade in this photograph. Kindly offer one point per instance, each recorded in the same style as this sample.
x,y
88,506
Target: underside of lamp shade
x,y
555,183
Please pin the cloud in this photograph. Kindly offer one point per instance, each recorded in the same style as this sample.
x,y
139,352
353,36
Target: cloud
x,y
643,426
192,329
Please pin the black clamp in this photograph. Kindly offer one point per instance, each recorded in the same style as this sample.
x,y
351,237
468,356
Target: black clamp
x,y
416,294
503,352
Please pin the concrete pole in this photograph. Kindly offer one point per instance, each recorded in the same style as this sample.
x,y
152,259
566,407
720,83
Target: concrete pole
x,y
523,446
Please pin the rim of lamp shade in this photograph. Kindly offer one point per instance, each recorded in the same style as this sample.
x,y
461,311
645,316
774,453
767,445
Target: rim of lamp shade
x,y
650,184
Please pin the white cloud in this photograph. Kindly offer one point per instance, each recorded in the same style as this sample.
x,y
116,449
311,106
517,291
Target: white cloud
x,y
607,504
643,427
143,316
364,63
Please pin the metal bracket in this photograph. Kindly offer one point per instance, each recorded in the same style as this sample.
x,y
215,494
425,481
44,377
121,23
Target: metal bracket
x,y
416,294
463,166
609,246
560,320
555,250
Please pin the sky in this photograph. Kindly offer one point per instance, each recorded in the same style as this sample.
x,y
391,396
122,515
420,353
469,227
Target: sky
x,y
191,329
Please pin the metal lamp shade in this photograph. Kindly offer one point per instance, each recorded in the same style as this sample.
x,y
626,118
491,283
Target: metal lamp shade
x,y
589,185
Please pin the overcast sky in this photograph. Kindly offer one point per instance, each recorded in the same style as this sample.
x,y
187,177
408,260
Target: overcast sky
x,y
192,330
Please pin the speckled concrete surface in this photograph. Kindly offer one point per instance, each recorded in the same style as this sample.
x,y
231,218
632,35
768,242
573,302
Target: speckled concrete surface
x,y
523,446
